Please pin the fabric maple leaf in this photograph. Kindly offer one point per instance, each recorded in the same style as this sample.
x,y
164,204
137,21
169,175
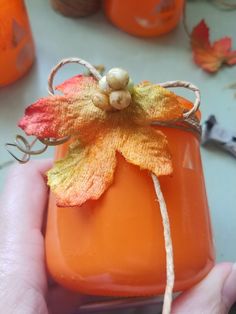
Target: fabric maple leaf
x,y
209,56
97,135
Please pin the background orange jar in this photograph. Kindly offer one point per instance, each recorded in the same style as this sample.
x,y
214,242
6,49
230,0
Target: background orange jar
x,y
115,246
144,18
16,42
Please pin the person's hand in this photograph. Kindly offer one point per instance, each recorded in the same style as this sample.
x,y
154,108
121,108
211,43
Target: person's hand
x,y
24,287
215,294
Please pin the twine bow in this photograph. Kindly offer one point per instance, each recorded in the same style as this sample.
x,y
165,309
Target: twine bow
x,y
98,130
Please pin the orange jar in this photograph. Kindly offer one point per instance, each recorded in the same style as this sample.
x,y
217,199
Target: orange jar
x,y
144,18
114,246
16,42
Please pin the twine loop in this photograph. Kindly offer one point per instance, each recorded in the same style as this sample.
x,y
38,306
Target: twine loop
x,y
57,67
188,122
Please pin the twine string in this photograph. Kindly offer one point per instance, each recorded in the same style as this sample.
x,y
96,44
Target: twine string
x,y
80,61
98,76
24,146
189,86
188,125
170,275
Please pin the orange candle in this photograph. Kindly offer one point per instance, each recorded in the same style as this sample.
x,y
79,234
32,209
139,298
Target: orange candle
x,y
114,246
16,42
144,18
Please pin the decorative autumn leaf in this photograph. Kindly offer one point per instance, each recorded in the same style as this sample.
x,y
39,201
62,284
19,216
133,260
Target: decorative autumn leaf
x,y
59,116
209,56
147,96
88,169
148,149
84,174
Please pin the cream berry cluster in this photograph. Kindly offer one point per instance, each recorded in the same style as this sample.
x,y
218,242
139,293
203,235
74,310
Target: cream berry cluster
x,y
115,90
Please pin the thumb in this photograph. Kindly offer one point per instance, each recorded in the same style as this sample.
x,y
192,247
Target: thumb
x,y
215,294
22,270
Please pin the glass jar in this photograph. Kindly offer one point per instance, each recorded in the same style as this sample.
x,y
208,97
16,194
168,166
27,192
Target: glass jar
x,y
16,42
144,18
114,246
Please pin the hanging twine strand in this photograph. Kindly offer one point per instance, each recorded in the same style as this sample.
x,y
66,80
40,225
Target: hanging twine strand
x,y
170,275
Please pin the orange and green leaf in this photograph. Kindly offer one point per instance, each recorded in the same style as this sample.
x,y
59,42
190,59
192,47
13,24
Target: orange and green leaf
x,y
156,102
148,149
84,174
78,84
88,169
62,115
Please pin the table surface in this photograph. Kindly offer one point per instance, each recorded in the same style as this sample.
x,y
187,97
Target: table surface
x,y
159,59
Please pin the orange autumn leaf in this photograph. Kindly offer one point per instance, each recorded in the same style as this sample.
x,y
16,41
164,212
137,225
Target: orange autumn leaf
x,y
209,56
62,115
88,170
97,135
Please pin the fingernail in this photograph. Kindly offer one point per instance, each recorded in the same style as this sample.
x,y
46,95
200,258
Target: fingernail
x,y
229,288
